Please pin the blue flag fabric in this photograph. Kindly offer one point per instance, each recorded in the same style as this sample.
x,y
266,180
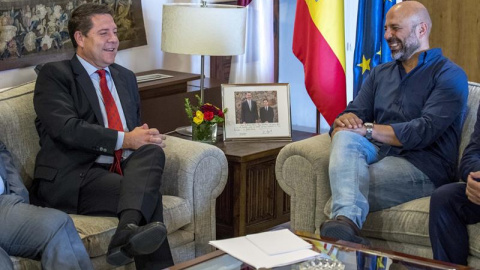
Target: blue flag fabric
x,y
367,261
371,48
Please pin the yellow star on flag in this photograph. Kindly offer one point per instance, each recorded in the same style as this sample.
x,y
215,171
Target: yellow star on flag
x,y
380,263
380,52
365,65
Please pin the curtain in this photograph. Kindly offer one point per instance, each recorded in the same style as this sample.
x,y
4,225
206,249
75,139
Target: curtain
x,y
257,64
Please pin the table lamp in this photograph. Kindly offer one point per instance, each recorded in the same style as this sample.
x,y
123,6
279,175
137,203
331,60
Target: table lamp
x,y
203,29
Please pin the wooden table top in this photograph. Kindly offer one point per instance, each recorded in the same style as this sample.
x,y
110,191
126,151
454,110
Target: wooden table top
x,y
177,77
176,84
243,151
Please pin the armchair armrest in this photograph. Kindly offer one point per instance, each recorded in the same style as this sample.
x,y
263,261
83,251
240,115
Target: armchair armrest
x,y
302,172
198,173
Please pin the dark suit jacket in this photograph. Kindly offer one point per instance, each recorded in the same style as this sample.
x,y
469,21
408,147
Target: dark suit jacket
x,y
12,180
71,128
249,115
266,115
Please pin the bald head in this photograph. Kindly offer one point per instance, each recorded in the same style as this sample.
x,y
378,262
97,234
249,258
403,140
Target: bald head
x,y
407,29
413,11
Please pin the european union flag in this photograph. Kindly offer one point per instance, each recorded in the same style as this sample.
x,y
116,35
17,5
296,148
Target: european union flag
x,y
371,48
367,261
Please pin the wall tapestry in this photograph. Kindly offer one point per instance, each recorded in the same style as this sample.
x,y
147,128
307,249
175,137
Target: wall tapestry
x,y
35,31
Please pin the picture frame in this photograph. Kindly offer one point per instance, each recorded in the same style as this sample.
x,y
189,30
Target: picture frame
x,y
35,32
266,117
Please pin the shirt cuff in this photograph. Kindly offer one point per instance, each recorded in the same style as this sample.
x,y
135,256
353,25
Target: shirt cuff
x,y
403,135
120,138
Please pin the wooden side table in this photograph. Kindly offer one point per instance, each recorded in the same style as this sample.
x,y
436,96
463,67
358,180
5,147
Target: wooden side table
x,y
158,88
162,101
252,200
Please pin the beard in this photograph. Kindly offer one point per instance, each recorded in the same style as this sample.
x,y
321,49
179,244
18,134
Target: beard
x,y
407,47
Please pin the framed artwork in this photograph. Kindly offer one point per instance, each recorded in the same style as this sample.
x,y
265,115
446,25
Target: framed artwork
x,y
34,32
257,111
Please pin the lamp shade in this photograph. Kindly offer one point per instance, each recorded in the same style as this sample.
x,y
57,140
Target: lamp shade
x,y
211,30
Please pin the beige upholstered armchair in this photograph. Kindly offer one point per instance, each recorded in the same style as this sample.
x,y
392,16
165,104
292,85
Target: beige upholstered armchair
x,y
302,172
195,175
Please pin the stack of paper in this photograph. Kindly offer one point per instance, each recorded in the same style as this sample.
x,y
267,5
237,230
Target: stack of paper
x,y
152,77
268,249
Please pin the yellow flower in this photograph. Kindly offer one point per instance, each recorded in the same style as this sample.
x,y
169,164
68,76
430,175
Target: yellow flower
x,y
198,119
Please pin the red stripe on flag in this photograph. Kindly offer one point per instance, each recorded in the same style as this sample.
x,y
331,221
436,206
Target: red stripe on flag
x,y
243,2
324,75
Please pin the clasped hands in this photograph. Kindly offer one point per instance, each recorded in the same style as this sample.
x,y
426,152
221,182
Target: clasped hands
x,y
143,135
350,122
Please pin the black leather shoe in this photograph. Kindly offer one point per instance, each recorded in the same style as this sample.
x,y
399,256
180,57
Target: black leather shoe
x,y
141,240
342,228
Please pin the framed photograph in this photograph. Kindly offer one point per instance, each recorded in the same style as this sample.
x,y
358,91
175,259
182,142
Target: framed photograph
x,y
257,111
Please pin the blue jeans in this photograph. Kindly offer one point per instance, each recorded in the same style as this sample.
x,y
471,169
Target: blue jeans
x,y
40,233
361,182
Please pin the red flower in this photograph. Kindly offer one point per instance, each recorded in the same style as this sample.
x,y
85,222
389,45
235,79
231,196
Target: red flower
x,y
208,116
220,113
207,107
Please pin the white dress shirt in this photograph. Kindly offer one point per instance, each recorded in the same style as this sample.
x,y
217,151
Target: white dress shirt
x,y
95,77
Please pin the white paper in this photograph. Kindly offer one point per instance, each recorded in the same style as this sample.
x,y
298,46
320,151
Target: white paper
x,y
243,249
278,242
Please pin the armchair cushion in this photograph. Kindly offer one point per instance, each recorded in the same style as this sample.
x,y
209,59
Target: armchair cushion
x,y
403,223
176,213
96,232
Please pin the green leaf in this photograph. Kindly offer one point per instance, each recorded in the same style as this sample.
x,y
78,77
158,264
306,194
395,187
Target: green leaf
x,y
188,108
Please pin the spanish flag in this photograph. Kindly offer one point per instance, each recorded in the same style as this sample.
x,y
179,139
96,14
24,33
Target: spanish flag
x,y
319,43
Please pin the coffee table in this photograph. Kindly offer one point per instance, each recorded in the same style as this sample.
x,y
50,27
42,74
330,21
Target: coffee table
x,y
349,254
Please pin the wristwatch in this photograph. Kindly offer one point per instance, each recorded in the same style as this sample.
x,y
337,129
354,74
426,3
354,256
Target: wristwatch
x,y
369,127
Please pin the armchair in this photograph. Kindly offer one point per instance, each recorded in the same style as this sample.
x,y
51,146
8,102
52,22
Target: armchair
x,y
195,175
302,172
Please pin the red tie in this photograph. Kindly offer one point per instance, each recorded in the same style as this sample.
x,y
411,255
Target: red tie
x,y
113,117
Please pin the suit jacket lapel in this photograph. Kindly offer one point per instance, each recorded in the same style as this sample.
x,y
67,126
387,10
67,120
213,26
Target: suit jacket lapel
x,y
123,93
83,79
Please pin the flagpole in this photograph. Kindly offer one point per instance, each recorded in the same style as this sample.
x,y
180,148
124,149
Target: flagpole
x,y
318,122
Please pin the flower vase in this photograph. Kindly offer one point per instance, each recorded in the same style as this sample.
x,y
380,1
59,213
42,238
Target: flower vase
x,y
205,132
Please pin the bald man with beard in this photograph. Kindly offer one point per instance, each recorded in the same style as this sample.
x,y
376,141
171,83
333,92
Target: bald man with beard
x,y
398,139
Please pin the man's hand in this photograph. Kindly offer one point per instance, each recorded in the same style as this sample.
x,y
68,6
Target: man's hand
x,y
473,187
360,131
348,120
141,136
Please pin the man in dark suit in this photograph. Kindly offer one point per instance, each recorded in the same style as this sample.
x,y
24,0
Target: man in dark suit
x,y
456,205
249,110
35,232
96,157
266,112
